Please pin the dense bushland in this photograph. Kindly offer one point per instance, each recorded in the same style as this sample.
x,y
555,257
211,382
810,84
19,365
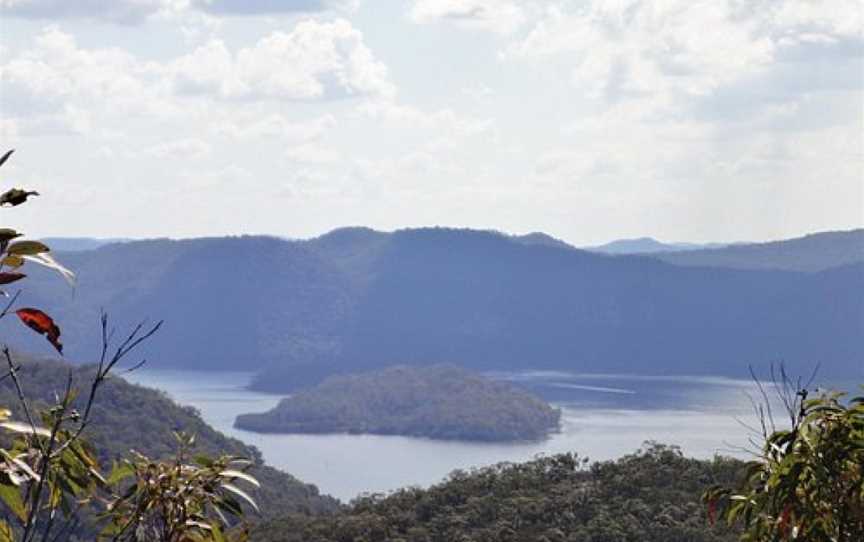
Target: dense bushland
x,y
441,401
652,495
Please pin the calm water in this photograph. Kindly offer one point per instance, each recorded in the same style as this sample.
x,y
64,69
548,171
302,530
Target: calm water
x,y
603,417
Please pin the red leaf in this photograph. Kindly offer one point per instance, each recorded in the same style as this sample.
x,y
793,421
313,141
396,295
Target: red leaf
x,y
783,523
42,324
6,278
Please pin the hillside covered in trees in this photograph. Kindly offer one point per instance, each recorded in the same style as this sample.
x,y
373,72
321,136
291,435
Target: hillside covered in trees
x,y
441,402
651,496
814,252
357,299
130,417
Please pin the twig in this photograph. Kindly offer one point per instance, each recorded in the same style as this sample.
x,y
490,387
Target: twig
x,y
9,304
21,398
104,368
32,517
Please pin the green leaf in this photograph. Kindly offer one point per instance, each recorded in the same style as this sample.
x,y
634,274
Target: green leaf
x,y
12,497
242,494
119,472
7,234
232,474
16,196
27,248
230,505
216,532
203,460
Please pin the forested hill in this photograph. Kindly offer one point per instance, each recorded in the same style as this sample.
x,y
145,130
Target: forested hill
x,y
815,252
127,417
650,496
440,402
358,299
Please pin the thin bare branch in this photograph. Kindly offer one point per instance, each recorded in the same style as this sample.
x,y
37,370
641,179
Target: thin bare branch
x,y
135,367
22,399
10,304
104,368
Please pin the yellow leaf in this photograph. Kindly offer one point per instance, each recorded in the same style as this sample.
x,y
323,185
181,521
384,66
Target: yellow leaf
x,y
12,261
6,534
27,248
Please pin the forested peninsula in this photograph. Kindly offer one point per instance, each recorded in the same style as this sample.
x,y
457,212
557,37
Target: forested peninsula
x,y
440,402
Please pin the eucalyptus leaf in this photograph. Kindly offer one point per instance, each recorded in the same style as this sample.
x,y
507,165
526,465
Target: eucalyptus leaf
x,y
12,261
18,427
239,475
11,497
15,197
27,248
48,261
242,494
7,234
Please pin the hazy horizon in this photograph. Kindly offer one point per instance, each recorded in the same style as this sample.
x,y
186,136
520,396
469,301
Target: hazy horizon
x,y
575,244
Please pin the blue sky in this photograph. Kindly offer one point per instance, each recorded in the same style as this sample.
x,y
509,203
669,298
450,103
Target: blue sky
x,y
682,119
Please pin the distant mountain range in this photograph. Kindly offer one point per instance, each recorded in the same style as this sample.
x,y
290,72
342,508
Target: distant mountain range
x,y
75,244
815,252
648,245
360,299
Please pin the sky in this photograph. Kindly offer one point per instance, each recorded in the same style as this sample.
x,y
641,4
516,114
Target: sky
x,y
590,120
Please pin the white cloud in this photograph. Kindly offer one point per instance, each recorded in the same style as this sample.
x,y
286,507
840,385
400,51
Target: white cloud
x,y
312,153
8,131
188,148
258,7
478,93
244,126
314,60
681,49
135,12
500,16
120,11
445,119
57,85
639,48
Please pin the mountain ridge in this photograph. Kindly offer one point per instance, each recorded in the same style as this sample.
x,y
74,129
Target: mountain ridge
x,y
647,245
358,299
813,252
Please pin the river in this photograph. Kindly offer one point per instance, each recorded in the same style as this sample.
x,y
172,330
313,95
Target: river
x,y
603,417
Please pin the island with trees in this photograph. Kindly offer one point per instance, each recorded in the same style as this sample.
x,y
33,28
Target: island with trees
x,y
439,401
